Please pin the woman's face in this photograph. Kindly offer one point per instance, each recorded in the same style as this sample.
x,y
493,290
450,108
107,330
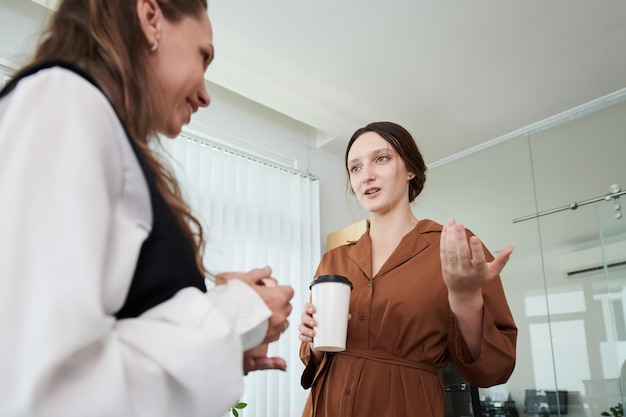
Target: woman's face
x,y
184,52
378,175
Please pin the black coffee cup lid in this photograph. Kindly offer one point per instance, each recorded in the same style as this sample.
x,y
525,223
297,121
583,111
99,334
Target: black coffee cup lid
x,y
331,278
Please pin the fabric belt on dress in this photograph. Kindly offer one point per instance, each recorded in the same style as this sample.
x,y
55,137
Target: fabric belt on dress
x,y
391,360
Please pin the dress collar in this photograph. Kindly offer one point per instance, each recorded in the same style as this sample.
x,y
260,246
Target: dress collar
x,y
409,246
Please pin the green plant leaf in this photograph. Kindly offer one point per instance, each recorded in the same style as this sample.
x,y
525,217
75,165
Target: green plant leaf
x,y
617,411
239,406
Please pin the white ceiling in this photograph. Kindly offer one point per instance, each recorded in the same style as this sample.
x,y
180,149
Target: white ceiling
x,y
456,73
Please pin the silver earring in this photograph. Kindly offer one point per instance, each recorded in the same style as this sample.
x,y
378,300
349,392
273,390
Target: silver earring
x,y
154,46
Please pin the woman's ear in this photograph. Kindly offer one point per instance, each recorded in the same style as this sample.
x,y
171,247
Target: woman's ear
x,y
150,16
411,176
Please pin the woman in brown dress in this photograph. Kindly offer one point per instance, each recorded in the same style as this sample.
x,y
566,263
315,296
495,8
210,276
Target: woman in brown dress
x,y
424,294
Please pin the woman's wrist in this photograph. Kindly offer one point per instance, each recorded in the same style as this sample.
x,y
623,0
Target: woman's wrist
x,y
466,302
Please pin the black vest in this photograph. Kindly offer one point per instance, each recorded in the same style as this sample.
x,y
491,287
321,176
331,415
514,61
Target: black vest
x,y
166,262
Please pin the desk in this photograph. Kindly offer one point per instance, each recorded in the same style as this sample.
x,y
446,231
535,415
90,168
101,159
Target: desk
x,y
499,409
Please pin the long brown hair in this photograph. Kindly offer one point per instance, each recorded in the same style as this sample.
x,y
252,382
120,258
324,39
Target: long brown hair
x,y
404,144
104,38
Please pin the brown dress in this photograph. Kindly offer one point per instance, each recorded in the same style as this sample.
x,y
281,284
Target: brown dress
x,y
401,333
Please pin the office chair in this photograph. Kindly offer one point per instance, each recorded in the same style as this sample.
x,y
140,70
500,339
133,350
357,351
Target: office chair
x,y
476,408
473,392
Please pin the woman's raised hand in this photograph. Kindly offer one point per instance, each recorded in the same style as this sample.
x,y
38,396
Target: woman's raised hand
x,y
463,263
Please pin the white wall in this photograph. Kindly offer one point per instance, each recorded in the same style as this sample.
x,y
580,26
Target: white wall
x,y
19,23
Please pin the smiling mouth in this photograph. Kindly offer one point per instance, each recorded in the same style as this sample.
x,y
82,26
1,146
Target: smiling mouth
x,y
371,191
190,108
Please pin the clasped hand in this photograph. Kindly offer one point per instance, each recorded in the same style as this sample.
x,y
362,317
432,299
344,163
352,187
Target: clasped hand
x,y
277,297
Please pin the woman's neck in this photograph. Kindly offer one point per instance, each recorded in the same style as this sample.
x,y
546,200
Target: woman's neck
x,y
391,227
386,232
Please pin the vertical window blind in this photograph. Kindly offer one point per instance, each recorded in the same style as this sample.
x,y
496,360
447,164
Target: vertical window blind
x,y
255,214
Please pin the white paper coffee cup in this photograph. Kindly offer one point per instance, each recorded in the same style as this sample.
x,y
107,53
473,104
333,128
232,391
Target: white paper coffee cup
x,y
330,294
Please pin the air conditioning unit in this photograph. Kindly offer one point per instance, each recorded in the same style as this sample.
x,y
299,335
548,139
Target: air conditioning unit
x,y
589,260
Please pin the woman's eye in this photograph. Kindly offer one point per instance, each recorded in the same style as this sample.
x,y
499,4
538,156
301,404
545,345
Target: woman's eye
x,y
206,59
354,169
382,158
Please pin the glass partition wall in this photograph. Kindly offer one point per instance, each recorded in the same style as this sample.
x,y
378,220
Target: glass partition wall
x,y
555,193
576,327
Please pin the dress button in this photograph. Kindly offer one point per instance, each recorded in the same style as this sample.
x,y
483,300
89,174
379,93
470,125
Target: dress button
x,y
361,316
347,391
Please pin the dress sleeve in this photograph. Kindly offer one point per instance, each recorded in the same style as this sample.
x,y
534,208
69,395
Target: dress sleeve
x,y
497,352
68,247
314,369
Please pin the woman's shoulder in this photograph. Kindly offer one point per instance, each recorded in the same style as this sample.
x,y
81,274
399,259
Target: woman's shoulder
x,y
58,80
66,106
48,69
341,249
428,226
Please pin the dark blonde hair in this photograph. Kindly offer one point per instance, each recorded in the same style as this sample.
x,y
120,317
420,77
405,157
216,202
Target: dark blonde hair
x,y
104,38
404,144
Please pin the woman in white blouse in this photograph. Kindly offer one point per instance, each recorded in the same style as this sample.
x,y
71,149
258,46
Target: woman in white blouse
x,y
103,306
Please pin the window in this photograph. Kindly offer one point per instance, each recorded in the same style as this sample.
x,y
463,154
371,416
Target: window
x,y
256,214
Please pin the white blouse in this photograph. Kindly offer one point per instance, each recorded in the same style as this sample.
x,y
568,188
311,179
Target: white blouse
x,y
74,211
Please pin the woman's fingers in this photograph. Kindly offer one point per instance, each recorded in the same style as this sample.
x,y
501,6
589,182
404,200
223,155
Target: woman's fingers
x,y
496,266
305,329
261,363
454,249
463,261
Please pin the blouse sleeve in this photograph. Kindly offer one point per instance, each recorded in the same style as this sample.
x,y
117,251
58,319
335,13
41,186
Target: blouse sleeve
x,y
72,221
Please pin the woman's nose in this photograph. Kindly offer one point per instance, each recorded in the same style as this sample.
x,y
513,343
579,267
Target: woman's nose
x,y
368,173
